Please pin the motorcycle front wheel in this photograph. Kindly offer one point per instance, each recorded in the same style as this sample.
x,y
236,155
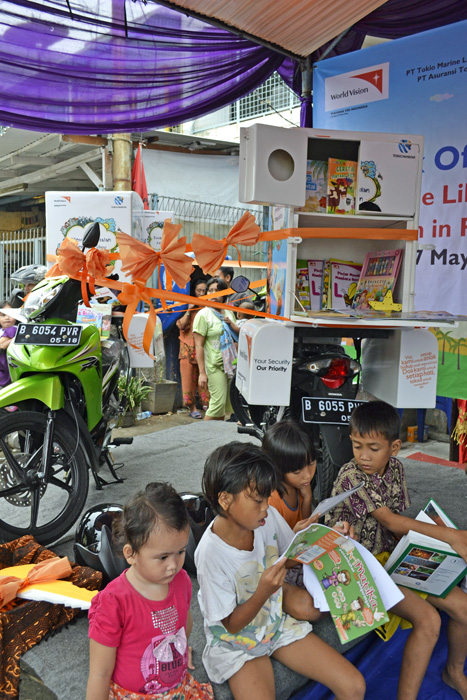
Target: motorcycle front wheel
x,y
37,499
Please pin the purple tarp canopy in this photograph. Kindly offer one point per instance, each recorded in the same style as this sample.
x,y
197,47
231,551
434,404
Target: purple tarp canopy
x,y
77,66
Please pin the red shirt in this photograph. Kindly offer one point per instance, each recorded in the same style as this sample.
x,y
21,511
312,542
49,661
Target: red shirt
x,y
152,653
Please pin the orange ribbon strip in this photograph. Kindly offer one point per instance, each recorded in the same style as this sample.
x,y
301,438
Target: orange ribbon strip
x,y
45,571
130,296
140,260
210,253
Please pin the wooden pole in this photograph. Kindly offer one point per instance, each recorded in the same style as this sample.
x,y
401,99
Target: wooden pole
x,y
121,162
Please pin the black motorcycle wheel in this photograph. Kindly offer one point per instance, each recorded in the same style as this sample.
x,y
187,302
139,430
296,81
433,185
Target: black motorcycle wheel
x,y
326,472
30,503
239,405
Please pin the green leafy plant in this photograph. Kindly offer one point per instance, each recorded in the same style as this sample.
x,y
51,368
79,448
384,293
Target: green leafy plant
x,y
131,391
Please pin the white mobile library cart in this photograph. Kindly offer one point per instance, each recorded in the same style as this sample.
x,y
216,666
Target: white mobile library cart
x,y
400,357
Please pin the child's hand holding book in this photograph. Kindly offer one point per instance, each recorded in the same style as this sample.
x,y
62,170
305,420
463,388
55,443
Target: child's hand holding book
x,y
344,528
272,578
303,524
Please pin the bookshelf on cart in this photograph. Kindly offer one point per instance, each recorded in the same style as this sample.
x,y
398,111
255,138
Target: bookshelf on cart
x,y
342,195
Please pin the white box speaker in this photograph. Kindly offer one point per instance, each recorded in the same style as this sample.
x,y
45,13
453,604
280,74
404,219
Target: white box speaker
x,y
272,165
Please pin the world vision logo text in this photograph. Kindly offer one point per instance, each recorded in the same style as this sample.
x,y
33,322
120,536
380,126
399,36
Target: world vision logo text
x,y
348,90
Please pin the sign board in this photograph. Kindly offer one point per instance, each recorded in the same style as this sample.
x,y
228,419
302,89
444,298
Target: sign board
x,y
153,222
416,85
68,213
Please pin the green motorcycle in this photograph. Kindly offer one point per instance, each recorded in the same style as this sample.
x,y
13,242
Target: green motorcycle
x,y
64,385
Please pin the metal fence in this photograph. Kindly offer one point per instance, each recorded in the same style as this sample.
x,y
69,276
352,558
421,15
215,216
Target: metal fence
x,y
215,220
272,96
18,248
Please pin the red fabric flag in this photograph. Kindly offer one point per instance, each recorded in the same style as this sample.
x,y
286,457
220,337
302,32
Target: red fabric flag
x,y
138,178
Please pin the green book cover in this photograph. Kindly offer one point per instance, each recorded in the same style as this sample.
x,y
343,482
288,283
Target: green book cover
x,y
354,601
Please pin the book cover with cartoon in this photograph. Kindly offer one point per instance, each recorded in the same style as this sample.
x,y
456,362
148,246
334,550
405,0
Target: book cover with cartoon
x,y
342,176
344,276
378,276
353,598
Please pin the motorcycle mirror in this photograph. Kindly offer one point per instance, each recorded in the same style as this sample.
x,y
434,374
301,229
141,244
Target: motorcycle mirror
x,y
240,284
91,235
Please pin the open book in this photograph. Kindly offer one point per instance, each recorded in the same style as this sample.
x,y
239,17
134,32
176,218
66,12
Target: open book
x,y
336,571
425,563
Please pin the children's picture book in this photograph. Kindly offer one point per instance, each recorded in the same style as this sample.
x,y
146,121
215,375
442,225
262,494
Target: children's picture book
x,y
433,513
378,276
344,276
315,277
342,176
348,586
303,285
316,186
425,563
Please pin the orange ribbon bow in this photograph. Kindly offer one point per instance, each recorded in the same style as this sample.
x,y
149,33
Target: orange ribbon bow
x,y
139,260
71,261
48,570
210,254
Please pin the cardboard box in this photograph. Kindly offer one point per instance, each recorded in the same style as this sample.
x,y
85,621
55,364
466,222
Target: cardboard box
x,y
412,433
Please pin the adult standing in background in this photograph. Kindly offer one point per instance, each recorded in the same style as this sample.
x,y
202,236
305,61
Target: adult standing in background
x,y
226,274
207,330
189,370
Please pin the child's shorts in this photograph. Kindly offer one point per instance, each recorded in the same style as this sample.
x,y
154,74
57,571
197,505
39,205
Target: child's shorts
x,y
222,662
188,689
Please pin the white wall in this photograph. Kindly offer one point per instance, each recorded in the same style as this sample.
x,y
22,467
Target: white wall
x,y
193,176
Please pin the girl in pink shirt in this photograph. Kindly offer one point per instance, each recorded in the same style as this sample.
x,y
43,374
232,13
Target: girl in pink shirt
x,y
139,624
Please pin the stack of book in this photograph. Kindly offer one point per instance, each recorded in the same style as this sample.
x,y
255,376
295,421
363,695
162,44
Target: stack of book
x,y
326,284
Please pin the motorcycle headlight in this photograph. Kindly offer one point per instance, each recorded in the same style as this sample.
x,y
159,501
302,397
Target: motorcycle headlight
x,y
38,300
